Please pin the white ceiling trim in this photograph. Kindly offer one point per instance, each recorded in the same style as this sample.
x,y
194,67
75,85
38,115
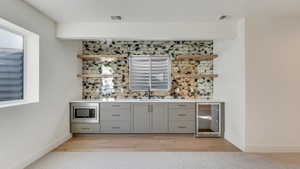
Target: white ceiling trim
x,y
147,31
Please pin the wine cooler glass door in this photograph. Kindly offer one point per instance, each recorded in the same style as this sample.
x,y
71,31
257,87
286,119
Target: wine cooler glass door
x,y
208,119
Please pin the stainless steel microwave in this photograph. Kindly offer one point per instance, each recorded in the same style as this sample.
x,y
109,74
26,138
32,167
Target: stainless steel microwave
x,y
84,112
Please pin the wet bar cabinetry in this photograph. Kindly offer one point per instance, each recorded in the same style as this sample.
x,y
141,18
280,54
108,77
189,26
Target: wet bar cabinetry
x,y
142,117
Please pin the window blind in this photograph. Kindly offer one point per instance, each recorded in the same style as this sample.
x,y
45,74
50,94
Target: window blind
x,y
149,72
11,74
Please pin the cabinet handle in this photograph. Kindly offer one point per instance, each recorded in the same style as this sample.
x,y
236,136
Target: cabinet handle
x,y
115,127
181,115
115,105
116,115
182,127
85,128
181,105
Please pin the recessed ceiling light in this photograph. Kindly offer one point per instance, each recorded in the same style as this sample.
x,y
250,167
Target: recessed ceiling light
x,y
223,17
116,18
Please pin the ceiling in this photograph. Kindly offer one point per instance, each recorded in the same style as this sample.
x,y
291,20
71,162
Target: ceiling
x,y
70,11
137,10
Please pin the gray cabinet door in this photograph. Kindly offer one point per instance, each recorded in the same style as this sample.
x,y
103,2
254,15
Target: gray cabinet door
x,y
141,118
159,117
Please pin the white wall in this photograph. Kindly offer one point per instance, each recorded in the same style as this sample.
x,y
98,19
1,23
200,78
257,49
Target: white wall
x,y
259,80
272,84
230,85
28,131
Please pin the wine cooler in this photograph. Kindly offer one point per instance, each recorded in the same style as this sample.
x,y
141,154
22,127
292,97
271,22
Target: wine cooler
x,y
210,120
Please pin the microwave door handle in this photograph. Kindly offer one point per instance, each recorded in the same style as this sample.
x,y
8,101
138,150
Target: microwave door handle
x,y
73,113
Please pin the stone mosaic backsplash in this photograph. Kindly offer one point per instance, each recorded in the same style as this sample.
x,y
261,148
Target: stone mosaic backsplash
x,y
96,88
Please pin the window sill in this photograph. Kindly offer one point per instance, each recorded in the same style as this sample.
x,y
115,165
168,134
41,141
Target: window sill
x,y
15,103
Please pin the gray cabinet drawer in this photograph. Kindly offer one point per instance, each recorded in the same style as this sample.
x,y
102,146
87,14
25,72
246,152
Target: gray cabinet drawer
x,y
115,111
115,126
182,105
112,106
114,114
182,114
185,126
85,128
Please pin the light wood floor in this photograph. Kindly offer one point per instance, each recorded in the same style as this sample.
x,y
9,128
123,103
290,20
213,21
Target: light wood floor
x,y
145,143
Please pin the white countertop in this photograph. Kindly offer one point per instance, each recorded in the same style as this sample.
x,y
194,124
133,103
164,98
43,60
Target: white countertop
x,y
149,100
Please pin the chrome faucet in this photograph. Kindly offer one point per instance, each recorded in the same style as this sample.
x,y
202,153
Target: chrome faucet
x,y
149,93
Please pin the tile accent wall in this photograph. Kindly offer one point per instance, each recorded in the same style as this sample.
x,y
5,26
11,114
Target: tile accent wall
x,y
97,88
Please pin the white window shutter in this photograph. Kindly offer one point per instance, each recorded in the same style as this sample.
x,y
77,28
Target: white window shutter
x,y
149,72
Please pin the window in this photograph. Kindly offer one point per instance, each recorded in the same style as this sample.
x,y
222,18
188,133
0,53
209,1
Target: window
x,y
19,65
11,66
149,72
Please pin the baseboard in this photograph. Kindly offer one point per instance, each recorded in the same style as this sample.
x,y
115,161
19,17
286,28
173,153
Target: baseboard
x,y
271,149
30,159
235,143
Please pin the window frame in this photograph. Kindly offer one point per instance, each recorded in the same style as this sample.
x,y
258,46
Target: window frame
x,y
30,65
150,76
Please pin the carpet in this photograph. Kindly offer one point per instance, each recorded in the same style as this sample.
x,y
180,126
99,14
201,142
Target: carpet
x,y
157,160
